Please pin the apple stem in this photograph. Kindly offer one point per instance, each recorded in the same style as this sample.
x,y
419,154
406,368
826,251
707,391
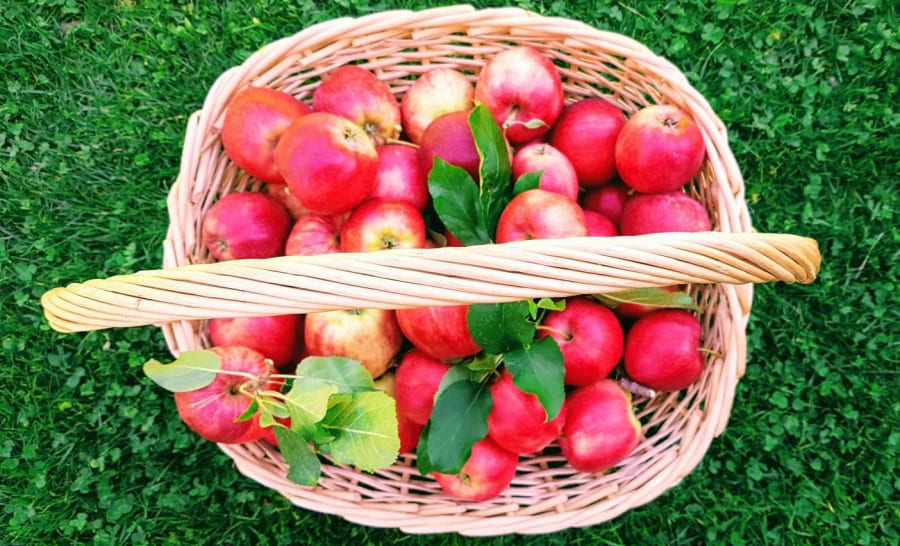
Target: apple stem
x,y
566,336
635,388
711,352
403,142
235,373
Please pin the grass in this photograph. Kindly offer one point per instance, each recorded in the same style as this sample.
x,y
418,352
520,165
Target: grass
x,y
93,103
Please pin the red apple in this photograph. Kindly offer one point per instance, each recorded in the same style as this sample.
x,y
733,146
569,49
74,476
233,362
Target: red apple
x,y
599,225
358,95
540,214
415,384
450,138
638,310
369,336
328,162
488,471
662,350
437,92
212,411
660,149
521,85
608,200
315,234
590,338
400,177
663,212
407,429
254,121
440,331
282,194
601,429
245,225
378,224
518,421
558,173
409,433
278,338
586,133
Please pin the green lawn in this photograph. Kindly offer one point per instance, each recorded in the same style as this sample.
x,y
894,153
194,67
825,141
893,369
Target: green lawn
x,y
94,97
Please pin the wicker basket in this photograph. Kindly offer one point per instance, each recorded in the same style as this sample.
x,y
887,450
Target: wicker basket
x,y
546,495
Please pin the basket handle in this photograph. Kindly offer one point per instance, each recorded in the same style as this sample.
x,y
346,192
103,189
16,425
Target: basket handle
x,y
421,277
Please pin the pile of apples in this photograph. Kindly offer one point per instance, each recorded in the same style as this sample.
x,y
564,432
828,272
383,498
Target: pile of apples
x,y
350,174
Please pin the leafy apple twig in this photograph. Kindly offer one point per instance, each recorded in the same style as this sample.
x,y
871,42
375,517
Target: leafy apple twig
x,y
505,332
332,405
650,297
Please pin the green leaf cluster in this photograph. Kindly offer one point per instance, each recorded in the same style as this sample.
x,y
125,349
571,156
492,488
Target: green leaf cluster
x,y
470,209
506,334
332,406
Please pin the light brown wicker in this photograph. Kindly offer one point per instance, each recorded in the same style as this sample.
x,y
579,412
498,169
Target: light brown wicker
x,y
546,495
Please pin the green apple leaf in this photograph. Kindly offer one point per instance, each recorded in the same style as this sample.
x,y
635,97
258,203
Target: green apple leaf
x,y
475,370
423,463
251,410
364,426
533,123
494,169
304,465
318,435
274,403
192,370
346,374
538,369
455,198
307,403
498,327
651,297
458,421
482,364
528,181
535,306
266,417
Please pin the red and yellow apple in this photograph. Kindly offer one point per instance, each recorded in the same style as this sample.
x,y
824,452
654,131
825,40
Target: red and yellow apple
x,y
315,234
660,149
369,336
254,121
557,173
437,92
379,224
662,350
439,331
590,338
400,176
279,338
521,86
488,472
328,162
518,421
540,214
416,382
355,93
586,133
601,429
244,225
212,411
663,212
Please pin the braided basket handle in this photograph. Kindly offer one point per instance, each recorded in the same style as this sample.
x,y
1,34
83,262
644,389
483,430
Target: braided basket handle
x,y
441,276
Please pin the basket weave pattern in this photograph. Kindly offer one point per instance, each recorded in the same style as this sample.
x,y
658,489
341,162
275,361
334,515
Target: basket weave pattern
x,y
547,494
